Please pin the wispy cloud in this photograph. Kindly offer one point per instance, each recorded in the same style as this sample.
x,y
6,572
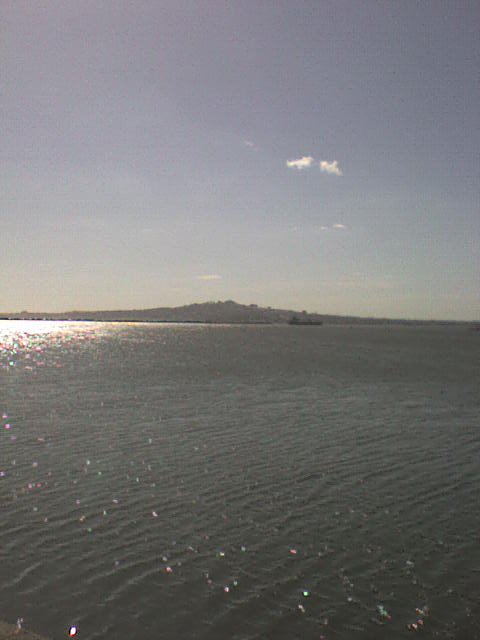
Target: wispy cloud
x,y
209,276
331,168
337,226
300,163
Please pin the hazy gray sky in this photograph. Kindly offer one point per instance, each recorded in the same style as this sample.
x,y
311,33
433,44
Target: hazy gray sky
x,y
320,155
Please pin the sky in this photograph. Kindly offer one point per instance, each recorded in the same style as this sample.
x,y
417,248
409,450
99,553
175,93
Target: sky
x,y
319,155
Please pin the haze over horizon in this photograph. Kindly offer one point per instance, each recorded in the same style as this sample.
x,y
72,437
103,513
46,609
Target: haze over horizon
x,y
320,156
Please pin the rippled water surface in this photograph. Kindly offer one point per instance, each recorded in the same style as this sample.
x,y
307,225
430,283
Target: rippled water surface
x,y
194,482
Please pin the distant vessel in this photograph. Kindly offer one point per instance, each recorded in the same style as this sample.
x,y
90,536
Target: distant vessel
x,y
304,321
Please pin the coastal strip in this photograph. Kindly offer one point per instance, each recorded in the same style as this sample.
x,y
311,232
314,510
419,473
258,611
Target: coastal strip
x,y
12,632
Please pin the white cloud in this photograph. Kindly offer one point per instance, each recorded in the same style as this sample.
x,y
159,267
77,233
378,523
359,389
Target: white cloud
x,y
300,163
250,144
331,168
304,162
209,276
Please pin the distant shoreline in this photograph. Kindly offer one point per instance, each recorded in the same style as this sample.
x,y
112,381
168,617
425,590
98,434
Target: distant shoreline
x,y
471,325
226,312
137,321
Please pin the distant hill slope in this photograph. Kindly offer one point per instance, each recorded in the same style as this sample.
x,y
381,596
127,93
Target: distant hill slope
x,y
211,312
217,312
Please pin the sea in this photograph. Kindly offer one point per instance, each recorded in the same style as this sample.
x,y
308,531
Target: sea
x,y
189,481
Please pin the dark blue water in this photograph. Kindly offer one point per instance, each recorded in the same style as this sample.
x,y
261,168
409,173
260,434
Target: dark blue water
x,y
187,481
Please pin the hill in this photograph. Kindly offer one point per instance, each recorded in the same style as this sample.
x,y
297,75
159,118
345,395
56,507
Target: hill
x,y
219,312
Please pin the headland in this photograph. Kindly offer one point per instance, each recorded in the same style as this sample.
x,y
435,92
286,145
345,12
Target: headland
x,y
221,312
